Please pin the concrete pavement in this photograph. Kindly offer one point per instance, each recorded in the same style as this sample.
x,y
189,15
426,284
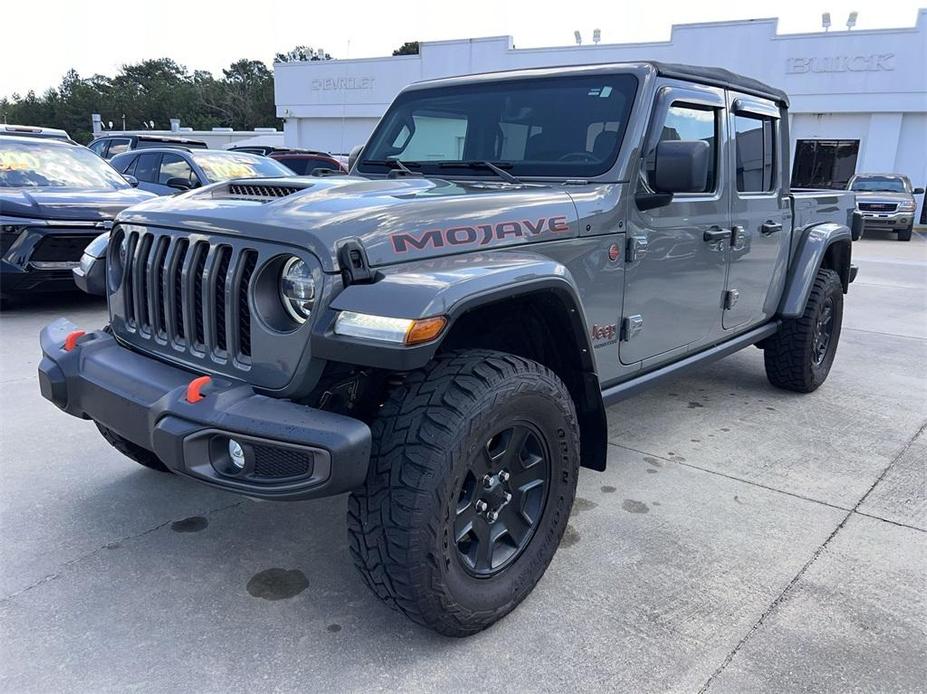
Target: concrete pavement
x,y
742,539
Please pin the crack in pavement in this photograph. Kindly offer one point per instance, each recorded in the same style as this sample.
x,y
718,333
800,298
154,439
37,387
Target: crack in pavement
x,y
784,594
76,560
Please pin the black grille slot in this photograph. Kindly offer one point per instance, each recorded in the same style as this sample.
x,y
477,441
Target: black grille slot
x,y
271,462
157,292
222,272
177,272
249,261
199,266
140,269
253,191
60,249
193,296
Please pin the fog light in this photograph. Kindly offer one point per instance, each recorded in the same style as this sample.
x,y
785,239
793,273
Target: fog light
x,y
236,454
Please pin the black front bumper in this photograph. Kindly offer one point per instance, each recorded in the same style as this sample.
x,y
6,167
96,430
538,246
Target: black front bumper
x,y
145,401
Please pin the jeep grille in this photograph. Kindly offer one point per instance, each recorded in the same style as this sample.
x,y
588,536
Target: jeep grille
x,y
192,295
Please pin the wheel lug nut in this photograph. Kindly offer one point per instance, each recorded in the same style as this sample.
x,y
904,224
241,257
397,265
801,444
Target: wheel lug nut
x,y
481,505
491,516
508,497
487,480
504,476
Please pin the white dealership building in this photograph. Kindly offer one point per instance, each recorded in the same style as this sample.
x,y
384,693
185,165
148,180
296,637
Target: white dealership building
x,y
859,98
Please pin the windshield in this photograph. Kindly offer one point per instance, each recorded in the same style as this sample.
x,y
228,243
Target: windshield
x,y
879,184
222,166
36,163
559,127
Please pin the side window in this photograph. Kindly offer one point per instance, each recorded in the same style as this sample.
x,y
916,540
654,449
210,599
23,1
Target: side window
x,y
754,142
174,166
97,147
297,166
117,145
146,167
684,122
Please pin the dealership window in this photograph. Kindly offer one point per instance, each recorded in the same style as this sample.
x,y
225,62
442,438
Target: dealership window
x,y
691,123
824,163
754,147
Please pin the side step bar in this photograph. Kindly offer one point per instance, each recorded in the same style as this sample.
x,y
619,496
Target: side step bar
x,y
624,390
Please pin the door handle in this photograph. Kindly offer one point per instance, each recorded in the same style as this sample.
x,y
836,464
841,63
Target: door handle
x,y
769,227
716,234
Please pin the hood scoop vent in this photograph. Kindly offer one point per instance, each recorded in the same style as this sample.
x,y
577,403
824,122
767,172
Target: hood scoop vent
x,y
263,192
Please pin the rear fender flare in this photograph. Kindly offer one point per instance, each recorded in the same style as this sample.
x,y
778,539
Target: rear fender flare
x,y
817,242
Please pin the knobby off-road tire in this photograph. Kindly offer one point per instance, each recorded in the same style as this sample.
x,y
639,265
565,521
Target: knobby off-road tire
x,y
471,428
130,450
800,355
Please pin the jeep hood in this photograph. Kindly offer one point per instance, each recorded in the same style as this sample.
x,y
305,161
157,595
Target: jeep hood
x,y
68,203
396,220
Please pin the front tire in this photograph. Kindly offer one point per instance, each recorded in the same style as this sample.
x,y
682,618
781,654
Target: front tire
x,y
800,355
469,490
905,234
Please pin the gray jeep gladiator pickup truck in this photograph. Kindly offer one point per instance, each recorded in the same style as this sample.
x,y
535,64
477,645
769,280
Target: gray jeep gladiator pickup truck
x,y
439,333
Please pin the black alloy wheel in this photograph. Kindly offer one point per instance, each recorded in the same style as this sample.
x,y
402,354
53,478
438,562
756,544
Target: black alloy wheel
x,y
501,499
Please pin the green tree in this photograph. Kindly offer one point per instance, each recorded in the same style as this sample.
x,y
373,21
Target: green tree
x,y
408,48
302,54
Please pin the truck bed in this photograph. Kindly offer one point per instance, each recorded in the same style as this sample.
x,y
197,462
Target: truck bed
x,y
816,206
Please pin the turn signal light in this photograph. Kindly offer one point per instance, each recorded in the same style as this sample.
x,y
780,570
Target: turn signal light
x,y
425,330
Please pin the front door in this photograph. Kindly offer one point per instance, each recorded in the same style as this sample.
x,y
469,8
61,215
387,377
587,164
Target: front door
x,y
677,253
761,217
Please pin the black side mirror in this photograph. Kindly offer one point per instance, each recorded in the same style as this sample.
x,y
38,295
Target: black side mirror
x,y
179,183
131,180
681,166
918,191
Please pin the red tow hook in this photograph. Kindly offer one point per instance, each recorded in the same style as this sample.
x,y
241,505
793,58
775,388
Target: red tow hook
x,y
70,342
195,388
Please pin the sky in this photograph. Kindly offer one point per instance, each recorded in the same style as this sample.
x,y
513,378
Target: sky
x,y
39,48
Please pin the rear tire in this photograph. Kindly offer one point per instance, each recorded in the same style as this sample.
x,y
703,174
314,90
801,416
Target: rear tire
x,y
471,428
140,455
800,355
905,234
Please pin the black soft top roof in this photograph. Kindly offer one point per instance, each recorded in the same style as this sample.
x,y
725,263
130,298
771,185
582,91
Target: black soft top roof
x,y
720,77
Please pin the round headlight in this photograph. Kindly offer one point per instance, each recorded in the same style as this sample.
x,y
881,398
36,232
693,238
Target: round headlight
x,y
297,289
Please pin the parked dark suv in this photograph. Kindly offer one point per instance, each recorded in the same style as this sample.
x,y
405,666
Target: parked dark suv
x,y
55,198
108,146
166,171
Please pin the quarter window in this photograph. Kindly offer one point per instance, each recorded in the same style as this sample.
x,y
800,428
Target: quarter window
x,y
755,151
691,123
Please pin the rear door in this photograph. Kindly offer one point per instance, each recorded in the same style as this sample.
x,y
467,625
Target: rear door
x,y
677,254
761,216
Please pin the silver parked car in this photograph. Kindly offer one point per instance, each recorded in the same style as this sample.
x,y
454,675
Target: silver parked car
x,y
167,171
886,201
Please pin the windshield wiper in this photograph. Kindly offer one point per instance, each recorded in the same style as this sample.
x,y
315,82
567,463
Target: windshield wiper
x,y
478,164
397,166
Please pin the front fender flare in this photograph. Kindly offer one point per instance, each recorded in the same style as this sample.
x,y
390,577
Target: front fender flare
x,y
807,260
448,286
